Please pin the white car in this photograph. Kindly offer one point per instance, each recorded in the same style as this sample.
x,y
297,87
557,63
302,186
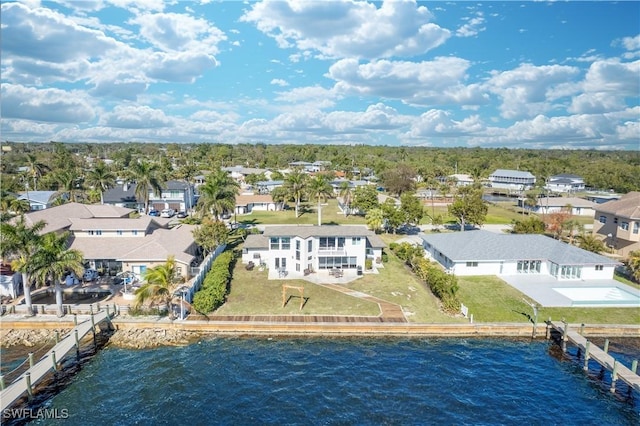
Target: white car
x,y
167,213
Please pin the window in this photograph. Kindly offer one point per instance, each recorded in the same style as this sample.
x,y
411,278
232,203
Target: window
x,y
356,241
274,243
256,255
310,245
119,232
624,226
615,220
603,219
636,227
285,243
529,267
96,232
134,232
472,264
599,267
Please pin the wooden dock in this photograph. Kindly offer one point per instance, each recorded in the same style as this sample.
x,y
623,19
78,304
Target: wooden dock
x,y
592,352
50,361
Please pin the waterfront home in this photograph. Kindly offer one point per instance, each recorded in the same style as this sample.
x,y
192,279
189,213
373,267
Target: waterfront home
x,y
481,252
298,251
111,241
617,223
565,183
240,173
512,180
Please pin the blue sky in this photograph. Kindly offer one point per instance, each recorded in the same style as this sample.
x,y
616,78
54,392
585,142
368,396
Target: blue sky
x,y
443,74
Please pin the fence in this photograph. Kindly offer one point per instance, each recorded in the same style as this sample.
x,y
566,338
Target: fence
x,y
194,285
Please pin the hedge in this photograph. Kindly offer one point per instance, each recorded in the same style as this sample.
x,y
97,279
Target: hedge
x,y
215,285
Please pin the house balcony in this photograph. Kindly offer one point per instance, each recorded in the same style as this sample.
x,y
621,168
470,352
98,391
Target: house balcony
x,y
331,252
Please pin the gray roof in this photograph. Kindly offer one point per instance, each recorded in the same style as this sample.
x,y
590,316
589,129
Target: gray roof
x,y
117,194
511,173
42,197
256,241
488,246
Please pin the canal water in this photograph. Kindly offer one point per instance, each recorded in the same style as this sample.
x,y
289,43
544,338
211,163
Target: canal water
x,y
346,381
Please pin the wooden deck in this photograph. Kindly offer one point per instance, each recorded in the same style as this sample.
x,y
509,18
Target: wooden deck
x,y
600,356
45,365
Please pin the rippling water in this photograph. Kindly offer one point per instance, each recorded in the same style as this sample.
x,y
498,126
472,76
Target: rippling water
x,y
290,381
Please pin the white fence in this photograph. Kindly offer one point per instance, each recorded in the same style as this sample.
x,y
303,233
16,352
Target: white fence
x,y
196,282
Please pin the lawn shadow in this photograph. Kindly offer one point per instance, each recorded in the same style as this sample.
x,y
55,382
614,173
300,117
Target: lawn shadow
x,y
303,302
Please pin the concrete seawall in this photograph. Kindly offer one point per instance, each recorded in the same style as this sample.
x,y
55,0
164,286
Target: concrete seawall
x,y
258,328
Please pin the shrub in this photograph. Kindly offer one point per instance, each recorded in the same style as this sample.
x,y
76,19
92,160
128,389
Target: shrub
x,y
215,285
368,263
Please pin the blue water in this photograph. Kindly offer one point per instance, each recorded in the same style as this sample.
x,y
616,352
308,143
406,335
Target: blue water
x,y
288,381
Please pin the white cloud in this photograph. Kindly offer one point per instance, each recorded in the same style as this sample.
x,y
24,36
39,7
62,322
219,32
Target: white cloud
x,y
179,32
135,117
439,123
47,105
279,82
472,27
339,29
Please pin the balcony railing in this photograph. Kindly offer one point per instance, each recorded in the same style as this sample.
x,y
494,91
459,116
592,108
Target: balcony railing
x,y
331,252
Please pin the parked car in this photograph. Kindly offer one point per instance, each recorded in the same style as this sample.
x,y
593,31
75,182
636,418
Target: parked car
x,y
90,275
182,215
167,213
154,213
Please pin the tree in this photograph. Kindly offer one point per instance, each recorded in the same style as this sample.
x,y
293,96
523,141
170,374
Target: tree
x,y
530,225
319,189
346,193
145,174
210,234
411,207
295,184
555,222
392,216
573,228
68,183
633,263
54,260
218,194
19,242
365,198
531,200
159,284
36,169
591,243
468,206
374,219
399,179
101,179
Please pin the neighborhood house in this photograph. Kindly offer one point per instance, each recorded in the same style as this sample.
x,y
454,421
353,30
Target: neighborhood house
x,y
297,251
487,253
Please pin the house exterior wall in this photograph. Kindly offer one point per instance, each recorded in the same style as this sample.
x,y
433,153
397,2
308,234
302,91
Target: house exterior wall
x,y
95,233
622,241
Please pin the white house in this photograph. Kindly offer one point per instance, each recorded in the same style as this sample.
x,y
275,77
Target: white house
x,y
564,183
579,206
513,180
488,253
297,251
10,282
246,203
174,194
38,200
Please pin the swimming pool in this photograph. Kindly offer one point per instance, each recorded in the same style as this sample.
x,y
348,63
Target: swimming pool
x,y
599,296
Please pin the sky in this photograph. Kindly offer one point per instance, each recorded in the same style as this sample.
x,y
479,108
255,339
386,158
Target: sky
x,y
541,75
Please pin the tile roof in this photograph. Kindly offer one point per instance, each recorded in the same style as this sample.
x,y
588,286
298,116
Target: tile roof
x,y
511,173
243,200
564,201
109,224
482,245
627,206
57,218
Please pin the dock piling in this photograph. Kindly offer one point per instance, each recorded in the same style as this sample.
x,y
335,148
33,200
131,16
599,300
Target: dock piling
x,y
2,382
31,363
614,376
75,319
57,337
53,360
27,379
77,345
586,356
634,365
606,346
564,335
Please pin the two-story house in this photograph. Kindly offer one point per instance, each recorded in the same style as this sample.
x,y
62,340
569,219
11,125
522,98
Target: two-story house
x,y
111,241
176,195
39,200
512,180
617,223
565,183
298,251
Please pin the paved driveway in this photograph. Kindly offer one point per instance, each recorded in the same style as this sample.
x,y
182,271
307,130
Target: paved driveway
x,y
540,289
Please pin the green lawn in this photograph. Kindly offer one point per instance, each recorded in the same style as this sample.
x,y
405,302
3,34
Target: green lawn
x,y
492,300
331,215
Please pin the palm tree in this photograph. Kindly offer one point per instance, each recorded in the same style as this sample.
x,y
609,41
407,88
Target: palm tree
x,y
19,242
633,263
67,181
101,179
320,189
159,284
145,175
375,219
295,184
346,193
18,206
218,194
36,169
591,243
54,260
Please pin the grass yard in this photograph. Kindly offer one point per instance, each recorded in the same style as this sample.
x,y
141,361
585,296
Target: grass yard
x,y
253,294
492,300
331,215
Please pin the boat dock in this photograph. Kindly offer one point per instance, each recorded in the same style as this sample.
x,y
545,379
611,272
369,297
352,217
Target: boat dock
x,y
592,352
50,362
